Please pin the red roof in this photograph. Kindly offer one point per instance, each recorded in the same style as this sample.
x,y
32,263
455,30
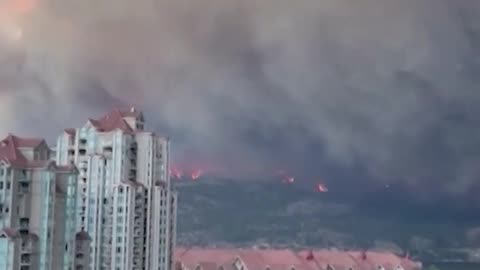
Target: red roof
x,y
286,259
8,232
10,153
115,120
192,257
70,131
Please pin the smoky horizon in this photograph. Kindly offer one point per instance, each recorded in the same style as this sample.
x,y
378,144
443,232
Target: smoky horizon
x,y
346,93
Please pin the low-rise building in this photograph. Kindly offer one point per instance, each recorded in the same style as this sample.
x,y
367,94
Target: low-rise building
x,y
254,259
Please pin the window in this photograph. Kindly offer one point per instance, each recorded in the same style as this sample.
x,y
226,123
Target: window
x,y
8,185
1,184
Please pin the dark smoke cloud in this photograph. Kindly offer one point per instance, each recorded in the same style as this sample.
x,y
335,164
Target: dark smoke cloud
x,y
389,86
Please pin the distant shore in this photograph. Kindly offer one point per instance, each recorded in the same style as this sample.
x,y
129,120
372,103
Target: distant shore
x,y
453,265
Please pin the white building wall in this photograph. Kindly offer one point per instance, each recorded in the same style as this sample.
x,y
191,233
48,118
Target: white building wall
x,y
35,209
125,201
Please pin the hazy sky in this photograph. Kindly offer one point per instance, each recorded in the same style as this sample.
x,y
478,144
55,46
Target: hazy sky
x,y
389,88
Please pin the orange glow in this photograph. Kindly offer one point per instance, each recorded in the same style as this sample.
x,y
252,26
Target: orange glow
x,y
11,13
290,179
197,174
17,7
321,188
176,173
180,173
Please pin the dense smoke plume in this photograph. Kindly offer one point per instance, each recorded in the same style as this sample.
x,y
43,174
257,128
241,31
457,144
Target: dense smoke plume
x,y
387,86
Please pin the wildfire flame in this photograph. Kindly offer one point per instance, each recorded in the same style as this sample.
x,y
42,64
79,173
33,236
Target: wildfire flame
x,y
196,174
176,173
18,7
286,178
290,179
11,12
182,173
321,188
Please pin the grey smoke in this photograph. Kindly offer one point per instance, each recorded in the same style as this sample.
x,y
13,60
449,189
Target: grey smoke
x,y
390,86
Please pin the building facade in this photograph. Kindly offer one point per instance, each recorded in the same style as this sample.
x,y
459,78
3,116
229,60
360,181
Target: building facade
x,y
37,208
127,203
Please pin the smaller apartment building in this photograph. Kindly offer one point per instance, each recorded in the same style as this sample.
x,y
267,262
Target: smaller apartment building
x,y
256,259
37,209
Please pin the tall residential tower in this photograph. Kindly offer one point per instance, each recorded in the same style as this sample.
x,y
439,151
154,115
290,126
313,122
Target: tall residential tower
x,y
37,209
126,201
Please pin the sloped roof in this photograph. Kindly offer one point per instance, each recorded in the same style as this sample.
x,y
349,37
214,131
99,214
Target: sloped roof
x,y
8,232
70,131
208,265
338,259
11,154
285,259
192,257
115,120
9,149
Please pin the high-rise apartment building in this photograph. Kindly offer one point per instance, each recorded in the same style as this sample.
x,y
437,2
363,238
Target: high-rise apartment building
x,y
127,204
37,209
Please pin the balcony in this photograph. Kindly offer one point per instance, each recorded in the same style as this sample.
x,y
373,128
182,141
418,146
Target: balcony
x,y
134,147
83,175
83,165
79,256
23,186
133,162
108,151
25,259
26,247
24,226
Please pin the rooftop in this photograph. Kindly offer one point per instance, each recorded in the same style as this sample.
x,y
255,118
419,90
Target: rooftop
x,y
10,149
286,259
116,119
